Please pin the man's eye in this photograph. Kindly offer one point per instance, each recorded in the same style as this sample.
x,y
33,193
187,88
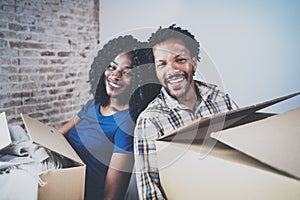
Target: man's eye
x,y
180,60
159,65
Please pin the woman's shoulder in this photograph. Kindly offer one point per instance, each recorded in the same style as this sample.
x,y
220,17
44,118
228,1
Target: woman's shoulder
x,y
88,106
90,102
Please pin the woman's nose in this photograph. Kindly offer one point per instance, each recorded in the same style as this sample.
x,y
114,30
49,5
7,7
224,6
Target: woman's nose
x,y
117,74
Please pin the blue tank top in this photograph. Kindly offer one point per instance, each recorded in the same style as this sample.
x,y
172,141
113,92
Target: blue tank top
x,y
95,138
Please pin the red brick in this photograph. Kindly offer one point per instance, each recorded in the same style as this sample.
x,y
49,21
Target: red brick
x,y
55,91
8,8
47,53
60,103
27,70
36,77
63,83
46,69
48,99
63,54
37,115
10,69
17,27
13,103
28,45
52,112
43,61
57,61
8,112
65,18
31,86
37,29
5,61
70,90
14,78
48,85
43,107
14,120
65,96
22,94
61,69
68,109
71,75
55,77
40,93
26,109
30,53
32,101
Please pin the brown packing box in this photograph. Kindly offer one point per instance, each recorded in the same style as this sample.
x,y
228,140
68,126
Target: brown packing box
x,y
255,156
65,183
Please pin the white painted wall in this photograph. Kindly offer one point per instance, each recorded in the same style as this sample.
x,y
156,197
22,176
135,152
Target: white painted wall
x,y
250,48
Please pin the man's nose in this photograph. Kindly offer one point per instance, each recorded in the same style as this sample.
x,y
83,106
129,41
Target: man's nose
x,y
172,65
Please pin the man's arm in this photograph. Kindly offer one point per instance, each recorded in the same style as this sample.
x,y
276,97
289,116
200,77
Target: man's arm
x,y
69,125
118,175
147,172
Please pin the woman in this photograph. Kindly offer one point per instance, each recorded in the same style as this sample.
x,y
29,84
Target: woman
x,y
102,132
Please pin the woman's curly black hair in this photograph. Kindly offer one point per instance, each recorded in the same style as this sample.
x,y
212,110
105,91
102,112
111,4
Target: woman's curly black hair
x,y
173,31
141,56
102,60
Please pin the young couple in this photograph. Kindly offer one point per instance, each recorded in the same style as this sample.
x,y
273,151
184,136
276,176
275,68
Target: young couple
x,y
113,125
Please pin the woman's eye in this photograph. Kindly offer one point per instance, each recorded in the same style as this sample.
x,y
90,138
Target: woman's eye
x,y
110,67
127,73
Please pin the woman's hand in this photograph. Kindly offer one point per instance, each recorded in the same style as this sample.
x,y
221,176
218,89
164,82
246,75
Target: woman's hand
x,y
69,125
118,176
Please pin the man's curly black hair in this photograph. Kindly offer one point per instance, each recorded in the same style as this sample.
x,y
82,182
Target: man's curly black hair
x,y
173,31
140,56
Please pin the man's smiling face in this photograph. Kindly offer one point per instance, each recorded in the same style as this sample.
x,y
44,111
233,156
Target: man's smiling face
x,y
174,67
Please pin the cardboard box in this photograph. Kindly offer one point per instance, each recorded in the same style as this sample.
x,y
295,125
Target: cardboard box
x,y
64,183
255,156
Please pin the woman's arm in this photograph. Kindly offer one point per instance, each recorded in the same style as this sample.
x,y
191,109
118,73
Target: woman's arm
x,y
69,125
118,176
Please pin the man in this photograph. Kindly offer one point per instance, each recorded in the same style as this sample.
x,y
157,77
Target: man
x,y
180,101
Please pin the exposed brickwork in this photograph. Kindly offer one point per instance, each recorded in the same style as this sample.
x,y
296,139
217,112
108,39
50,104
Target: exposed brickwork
x,y
46,48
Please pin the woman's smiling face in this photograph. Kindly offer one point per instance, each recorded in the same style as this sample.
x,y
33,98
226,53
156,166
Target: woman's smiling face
x,y
118,75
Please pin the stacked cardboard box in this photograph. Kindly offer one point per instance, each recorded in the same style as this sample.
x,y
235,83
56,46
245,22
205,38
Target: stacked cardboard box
x,y
241,155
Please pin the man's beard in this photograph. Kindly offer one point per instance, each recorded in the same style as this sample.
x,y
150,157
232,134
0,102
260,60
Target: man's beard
x,y
177,75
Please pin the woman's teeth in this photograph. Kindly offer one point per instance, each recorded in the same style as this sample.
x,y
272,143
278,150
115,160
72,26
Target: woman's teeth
x,y
114,84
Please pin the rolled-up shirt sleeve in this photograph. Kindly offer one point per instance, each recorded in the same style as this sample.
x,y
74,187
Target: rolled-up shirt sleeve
x,y
146,165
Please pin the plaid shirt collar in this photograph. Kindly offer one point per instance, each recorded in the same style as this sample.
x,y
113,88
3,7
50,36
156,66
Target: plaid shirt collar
x,y
203,89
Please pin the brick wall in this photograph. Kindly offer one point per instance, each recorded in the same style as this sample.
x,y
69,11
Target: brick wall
x,y
46,48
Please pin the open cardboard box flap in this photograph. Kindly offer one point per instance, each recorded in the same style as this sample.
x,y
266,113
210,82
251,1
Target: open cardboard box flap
x,y
49,138
222,120
274,141
271,139
4,133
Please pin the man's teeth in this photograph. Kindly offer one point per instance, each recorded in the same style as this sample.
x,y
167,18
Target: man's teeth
x,y
114,85
175,80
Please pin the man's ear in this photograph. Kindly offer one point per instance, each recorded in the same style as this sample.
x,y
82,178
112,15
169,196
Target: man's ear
x,y
194,59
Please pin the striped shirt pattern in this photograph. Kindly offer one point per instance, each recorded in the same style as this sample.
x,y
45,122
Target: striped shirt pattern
x,y
163,115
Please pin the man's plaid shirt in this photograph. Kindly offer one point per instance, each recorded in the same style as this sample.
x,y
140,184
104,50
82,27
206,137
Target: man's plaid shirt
x,y
163,115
